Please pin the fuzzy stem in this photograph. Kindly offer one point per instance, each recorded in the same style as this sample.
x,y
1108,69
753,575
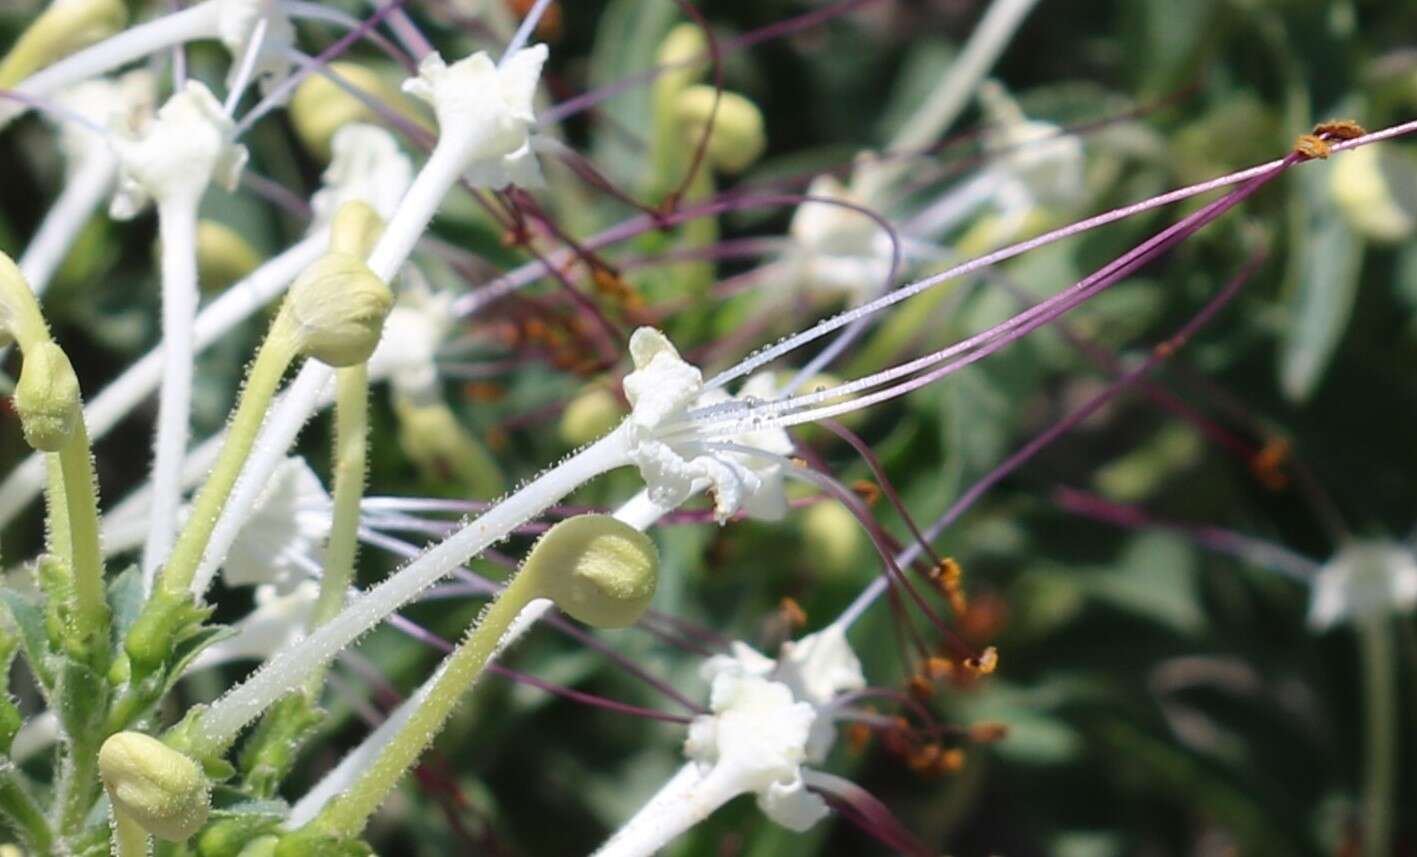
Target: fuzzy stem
x,y
129,838
287,670
86,558
274,357
177,227
119,398
351,450
134,43
83,190
1375,647
21,812
348,816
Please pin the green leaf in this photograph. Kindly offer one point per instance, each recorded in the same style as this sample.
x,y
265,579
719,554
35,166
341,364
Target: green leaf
x,y
125,600
29,618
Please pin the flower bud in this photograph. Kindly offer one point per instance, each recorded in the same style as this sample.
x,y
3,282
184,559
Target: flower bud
x,y
356,229
338,306
223,256
442,447
47,397
1375,188
683,44
321,107
737,138
590,415
599,570
160,789
65,27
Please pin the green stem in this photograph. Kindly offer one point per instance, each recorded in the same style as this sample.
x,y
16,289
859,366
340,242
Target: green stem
x,y
1375,645
56,512
277,351
22,813
347,816
81,501
129,839
351,450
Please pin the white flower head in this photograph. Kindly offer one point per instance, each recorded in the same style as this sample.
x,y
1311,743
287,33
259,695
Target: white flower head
x,y
1364,580
661,390
190,144
487,110
838,250
408,349
124,104
236,26
366,166
286,531
755,740
1044,163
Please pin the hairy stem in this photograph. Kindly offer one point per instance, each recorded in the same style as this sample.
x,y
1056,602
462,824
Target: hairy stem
x,y
351,450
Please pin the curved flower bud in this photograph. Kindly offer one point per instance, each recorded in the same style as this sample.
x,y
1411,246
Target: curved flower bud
x,y
47,397
367,167
755,741
738,137
661,390
338,305
189,145
65,27
1363,580
599,570
487,110
162,790
236,26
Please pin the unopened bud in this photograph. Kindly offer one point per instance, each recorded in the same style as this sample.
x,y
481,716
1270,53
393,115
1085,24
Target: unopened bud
x,y
160,789
65,27
320,107
338,304
223,256
599,570
590,415
684,43
47,397
1375,188
737,138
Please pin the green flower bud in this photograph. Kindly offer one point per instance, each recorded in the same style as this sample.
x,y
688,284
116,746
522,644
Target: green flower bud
x,y
65,27
157,787
47,397
320,107
355,229
683,43
443,449
738,138
1375,188
338,306
599,570
832,537
590,415
223,256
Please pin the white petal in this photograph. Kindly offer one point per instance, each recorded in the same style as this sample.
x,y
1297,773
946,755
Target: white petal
x,y
791,805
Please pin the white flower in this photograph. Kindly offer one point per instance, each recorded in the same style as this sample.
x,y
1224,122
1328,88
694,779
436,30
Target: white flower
x,y
236,24
1041,163
366,166
279,620
486,109
285,533
1364,580
189,145
408,349
755,741
661,390
837,250
124,104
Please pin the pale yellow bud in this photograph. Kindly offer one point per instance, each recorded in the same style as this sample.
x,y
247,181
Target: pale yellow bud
x,y
1375,188
738,137
65,27
599,570
47,397
832,537
337,304
160,789
356,229
320,107
223,256
590,415
684,43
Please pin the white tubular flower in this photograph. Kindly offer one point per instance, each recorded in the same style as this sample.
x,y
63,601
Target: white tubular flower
x,y
756,741
189,145
367,166
661,390
1362,581
408,350
285,533
488,109
1041,163
838,251
236,26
